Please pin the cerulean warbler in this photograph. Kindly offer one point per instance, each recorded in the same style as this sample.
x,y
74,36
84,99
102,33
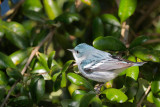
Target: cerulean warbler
x,y
98,65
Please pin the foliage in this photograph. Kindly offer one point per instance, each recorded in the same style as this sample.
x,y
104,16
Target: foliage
x,y
52,78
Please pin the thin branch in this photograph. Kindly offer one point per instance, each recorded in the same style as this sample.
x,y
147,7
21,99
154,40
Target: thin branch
x,y
13,9
145,94
152,41
124,32
153,6
50,34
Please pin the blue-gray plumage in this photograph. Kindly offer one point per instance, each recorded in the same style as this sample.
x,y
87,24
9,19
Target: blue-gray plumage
x,y
98,65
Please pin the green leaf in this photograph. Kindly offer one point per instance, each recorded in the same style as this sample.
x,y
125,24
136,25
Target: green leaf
x,y
155,85
145,54
96,102
21,101
64,69
40,17
80,81
108,43
35,6
14,73
97,27
150,97
3,78
5,61
37,88
16,34
42,71
19,56
138,41
111,25
156,101
86,99
69,103
50,58
78,94
115,95
54,78
42,58
126,9
142,87
110,19
52,9
2,30
33,10
132,72
88,2
68,18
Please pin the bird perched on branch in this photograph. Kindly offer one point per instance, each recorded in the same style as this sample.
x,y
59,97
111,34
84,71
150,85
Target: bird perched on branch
x,y
98,65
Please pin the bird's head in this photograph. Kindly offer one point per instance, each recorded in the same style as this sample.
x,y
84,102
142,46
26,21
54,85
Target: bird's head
x,y
81,51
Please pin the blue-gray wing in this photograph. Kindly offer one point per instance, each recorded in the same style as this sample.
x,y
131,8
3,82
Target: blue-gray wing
x,y
104,65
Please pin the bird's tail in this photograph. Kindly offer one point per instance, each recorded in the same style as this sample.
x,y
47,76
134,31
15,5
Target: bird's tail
x,y
139,63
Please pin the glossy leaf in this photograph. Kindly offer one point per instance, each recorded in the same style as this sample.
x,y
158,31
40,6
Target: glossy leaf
x,y
156,101
16,34
155,85
115,95
54,78
97,27
51,9
126,9
143,85
33,10
14,73
78,80
132,72
78,94
50,58
19,56
145,54
2,30
138,41
64,69
86,99
42,71
43,60
150,97
108,43
3,78
35,6
110,19
88,2
69,103
37,88
5,61
112,25
68,18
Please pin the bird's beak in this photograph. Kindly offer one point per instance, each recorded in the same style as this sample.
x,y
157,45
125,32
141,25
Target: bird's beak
x,y
72,50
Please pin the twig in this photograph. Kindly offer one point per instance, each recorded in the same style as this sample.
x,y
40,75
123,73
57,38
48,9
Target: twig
x,y
152,41
147,91
12,10
124,32
154,5
50,34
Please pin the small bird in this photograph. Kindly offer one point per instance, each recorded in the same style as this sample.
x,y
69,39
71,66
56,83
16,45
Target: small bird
x,y
98,65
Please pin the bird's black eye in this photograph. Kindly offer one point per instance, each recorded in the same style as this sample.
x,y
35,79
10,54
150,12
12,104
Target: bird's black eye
x,y
77,52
